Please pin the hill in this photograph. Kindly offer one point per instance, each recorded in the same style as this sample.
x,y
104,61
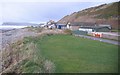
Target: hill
x,y
102,14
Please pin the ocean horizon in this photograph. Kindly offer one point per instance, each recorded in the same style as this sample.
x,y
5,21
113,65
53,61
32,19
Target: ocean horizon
x,y
18,25
7,27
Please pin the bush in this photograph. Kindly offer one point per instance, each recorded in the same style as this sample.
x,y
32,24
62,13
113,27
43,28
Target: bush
x,y
67,31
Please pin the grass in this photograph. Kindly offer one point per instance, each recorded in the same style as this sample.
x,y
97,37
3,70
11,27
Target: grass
x,y
35,63
26,58
63,54
102,13
74,54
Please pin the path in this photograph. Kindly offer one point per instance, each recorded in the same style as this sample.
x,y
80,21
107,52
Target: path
x,y
99,39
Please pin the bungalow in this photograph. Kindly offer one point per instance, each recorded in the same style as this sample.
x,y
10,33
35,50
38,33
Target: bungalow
x,y
76,25
61,26
95,28
50,24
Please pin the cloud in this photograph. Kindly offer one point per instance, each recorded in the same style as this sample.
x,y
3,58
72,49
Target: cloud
x,y
58,0
40,11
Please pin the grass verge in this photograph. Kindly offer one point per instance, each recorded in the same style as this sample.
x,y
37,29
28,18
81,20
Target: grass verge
x,y
63,54
79,55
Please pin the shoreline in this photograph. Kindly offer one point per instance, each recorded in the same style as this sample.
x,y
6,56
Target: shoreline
x,y
14,35
5,30
8,36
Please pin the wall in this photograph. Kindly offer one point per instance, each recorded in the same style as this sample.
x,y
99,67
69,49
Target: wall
x,y
74,27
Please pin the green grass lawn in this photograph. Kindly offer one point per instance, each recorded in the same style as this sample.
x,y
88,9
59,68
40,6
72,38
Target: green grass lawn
x,y
74,54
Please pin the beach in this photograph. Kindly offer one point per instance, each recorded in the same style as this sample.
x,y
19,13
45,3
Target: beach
x,y
7,37
11,36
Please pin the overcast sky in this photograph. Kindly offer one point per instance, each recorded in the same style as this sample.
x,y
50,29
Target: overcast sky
x,y
42,10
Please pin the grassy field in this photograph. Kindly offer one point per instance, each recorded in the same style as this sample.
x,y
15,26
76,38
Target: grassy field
x,y
75,54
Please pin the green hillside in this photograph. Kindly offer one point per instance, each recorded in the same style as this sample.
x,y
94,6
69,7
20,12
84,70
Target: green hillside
x,y
102,11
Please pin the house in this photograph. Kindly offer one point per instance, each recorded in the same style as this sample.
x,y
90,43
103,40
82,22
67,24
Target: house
x,y
68,25
95,28
76,25
61,26
51,24
92,29
82,24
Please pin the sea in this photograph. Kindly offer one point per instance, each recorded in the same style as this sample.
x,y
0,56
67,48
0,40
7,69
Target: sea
x,y
10,27
4,28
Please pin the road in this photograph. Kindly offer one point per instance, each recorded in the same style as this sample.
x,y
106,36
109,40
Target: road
x,y
99,39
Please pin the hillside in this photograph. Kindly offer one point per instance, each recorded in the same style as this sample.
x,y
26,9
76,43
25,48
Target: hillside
x,y
102,14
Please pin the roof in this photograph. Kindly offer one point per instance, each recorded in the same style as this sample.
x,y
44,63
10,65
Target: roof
x,y
94,27
82,24
61,24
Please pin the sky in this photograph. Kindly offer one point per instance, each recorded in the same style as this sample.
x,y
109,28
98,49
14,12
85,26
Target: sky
x,y
36,11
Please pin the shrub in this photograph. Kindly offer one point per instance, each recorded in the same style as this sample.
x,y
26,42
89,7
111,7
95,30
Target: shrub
x,y
67,31
49,66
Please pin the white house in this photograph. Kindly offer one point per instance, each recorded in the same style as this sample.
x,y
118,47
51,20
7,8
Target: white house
x,y
68,25
83,29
